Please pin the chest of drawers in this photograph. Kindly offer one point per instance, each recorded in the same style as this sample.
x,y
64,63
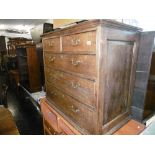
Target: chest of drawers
x,y
89,74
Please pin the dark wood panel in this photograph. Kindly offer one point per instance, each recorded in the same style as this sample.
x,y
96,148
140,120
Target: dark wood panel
x,y
82,42
82,65
81,89
152,69
34,69
118,78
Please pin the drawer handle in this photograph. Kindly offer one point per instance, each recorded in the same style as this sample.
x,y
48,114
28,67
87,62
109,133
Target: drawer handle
x,y
50,44
75,85
75,63
51,59
53,93
73,109
75,42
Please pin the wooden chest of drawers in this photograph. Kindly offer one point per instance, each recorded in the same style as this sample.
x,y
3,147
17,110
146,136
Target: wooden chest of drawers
x,y
89,74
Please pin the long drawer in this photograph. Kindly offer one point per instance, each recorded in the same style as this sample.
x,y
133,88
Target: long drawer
x,y
51,44
83,42
84,65
81,89
76,111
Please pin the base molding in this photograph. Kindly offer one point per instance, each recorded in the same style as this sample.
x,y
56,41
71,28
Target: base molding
x,y
115,124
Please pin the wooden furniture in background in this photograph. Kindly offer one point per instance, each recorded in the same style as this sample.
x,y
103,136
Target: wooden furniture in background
x,y
7,123
13,42
89,74
130,128
28,67
143,104
3,95
3,45
149,107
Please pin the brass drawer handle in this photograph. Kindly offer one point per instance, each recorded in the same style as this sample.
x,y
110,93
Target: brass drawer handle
x,y
75,85
51,59
75,63
50,44
73,109
53,93
75,42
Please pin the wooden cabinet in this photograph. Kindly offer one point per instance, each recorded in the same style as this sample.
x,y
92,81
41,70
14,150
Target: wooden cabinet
x,y
89,74
13,42
28,67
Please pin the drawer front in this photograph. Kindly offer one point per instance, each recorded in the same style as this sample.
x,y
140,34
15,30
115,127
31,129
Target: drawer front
x,y
83,42
76,111
83,65
65,129
79,88
49,129
49,117
52,45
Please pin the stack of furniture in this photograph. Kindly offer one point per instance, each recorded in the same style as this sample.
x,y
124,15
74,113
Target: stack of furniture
x,y
89,76
2,51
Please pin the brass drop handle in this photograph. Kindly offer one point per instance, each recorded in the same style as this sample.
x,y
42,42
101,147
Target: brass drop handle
x,y
75,85
53,93
50,44
51,59
73,109
71,106
75,63
75,42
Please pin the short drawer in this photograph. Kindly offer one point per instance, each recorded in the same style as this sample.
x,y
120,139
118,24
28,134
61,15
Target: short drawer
x,y
65,129
82,65
49,117
80,43
52,45
49,129
74,110
82,89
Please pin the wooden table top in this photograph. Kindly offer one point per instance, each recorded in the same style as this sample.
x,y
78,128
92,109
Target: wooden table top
x,y
7,123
